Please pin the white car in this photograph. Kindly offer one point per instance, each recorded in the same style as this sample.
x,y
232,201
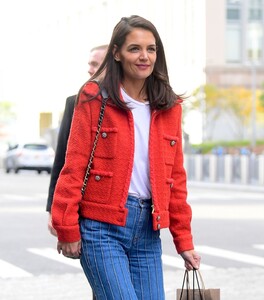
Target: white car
x,y
29,156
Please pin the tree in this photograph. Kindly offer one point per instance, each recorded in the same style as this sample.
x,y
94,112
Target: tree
x,y
261,99
7,116
235,102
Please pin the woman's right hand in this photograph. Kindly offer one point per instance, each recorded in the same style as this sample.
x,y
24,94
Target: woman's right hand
x,y
192,259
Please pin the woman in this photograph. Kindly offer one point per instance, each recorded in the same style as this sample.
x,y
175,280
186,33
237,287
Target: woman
x,y
137,184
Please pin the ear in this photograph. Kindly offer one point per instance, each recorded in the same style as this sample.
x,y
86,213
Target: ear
x,y
116,53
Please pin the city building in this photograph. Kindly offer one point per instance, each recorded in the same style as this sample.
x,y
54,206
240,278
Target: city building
x,y
234,42
234,58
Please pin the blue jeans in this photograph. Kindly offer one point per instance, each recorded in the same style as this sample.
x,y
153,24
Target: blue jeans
x,y
124,263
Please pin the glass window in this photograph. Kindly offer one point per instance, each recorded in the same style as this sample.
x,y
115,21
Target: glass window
x,y
232,2
35,146
233,14
233,44
255,10
233,10
255,14
254,41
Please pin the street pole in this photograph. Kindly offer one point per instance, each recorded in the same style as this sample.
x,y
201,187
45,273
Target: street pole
x,y
203,112
253,110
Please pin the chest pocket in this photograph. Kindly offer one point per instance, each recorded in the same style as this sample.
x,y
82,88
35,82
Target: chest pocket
x,y
107,142
170,146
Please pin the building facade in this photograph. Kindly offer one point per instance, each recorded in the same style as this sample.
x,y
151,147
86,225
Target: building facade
x,y
234,42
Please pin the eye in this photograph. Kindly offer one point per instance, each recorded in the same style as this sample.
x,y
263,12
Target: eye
x,y
152,49
134,49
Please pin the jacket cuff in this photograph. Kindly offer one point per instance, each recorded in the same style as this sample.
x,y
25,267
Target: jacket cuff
x,y
68,234
184,244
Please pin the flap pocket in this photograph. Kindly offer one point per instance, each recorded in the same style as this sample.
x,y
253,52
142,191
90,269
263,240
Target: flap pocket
x,y
170,146
107,142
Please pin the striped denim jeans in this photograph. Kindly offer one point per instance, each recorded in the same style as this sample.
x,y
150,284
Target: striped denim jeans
x,y
124,263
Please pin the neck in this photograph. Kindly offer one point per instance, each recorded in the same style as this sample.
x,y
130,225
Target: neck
x,y
135,91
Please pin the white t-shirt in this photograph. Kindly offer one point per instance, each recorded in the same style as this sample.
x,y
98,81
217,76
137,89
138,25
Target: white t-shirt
x,y
140,183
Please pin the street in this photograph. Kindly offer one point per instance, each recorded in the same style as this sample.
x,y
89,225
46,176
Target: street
x,y
227,227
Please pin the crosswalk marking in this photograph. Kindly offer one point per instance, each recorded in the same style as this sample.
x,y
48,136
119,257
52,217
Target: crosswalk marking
x,y
241,257
257,246
26,209
8,270
53,254
16,197
50,253
173,261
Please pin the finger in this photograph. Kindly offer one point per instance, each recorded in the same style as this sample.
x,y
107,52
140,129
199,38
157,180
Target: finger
x,y
188,266
79,247
197,260
59,247
69,251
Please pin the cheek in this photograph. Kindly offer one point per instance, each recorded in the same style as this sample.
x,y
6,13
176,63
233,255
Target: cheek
x,y
127,65
153,59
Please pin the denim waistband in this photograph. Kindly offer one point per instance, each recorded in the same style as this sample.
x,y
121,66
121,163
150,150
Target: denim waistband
x,y
138,202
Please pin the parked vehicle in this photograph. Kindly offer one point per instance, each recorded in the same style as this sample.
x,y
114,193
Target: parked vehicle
x,y
29,156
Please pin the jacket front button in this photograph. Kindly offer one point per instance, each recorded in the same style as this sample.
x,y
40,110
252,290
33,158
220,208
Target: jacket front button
x,y
158,218
97,178
171,185
172,143
104,135
158,226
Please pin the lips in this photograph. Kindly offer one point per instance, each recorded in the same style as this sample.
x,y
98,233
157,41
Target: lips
x,y
142,66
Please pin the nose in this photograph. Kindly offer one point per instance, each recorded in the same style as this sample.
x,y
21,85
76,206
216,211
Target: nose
x,y
144,55
91,70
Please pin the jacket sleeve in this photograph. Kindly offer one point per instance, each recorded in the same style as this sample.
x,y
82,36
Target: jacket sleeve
x,y
67,195
180,210
61,148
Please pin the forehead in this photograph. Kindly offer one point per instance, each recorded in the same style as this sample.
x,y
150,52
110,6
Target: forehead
x,y
140,36
97,55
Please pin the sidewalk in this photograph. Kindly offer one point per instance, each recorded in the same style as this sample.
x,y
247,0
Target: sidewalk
x,y
227,186
235,284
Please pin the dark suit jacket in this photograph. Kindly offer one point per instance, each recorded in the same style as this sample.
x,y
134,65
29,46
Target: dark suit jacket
x,y
61,147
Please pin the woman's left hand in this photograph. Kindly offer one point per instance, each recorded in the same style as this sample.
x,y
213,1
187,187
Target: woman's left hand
x,y
71,250
192,259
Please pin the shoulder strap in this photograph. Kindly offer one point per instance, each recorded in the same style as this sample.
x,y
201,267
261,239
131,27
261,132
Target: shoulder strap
x,y
99,125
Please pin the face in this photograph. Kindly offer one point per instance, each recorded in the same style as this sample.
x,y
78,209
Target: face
x,y
137,55
95,60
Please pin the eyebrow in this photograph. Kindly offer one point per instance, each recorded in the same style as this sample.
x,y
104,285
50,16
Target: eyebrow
x,y
138,45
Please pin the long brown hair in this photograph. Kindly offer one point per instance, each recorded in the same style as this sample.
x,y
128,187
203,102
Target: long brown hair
x,y
159,92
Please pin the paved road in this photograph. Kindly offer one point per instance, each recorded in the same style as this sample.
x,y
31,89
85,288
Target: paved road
x,y
228,229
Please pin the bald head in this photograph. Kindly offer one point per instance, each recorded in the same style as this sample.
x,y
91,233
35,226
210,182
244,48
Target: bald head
x,y
97,55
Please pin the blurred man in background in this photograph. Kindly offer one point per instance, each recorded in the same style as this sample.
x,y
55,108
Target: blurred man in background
x,y
97,55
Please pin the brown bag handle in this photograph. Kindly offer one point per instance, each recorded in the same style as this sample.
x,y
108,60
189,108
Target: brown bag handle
x,y
186,282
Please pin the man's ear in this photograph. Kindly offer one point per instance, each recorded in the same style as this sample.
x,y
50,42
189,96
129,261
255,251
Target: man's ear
x,y
116,53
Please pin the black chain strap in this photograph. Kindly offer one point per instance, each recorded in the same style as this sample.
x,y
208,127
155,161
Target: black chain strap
x,y
99,125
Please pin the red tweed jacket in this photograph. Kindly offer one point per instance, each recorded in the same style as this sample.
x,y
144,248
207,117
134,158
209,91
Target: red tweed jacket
x,y
108,184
